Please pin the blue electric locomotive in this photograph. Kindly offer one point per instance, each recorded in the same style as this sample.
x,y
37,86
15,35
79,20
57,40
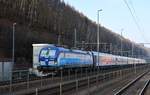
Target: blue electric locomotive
x,y
58,57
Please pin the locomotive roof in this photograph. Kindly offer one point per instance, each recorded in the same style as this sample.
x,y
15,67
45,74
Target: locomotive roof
x,y
62,49
72,50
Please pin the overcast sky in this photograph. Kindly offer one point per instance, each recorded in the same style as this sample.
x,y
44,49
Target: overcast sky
x,y
116,16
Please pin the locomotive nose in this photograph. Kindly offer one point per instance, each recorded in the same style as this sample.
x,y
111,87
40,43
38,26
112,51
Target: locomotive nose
x,y
46,61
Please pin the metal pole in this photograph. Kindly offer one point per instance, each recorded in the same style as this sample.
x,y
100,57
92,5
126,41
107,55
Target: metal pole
x,y
83,45
86,72
81,72
76,74
91,71
59,37
76,87
121,41
75,38
110,48
61,75
98,33
134,67
41,81
133,57
105,48
69,73
36,90
52,76
19,74
132,49
13,48
60,86
97,79
10,85
88,86
28,80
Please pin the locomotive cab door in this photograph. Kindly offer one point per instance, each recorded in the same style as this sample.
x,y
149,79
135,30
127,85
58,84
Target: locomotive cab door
x,y
94,60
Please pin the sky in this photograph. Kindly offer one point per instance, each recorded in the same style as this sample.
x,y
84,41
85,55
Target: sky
x,y
116,16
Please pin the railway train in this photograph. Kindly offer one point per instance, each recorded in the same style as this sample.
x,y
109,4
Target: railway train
x,y
59,57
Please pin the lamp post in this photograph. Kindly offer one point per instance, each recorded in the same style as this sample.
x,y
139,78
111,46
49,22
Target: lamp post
x,y
13,48
121,41
98,32
133,57
75,38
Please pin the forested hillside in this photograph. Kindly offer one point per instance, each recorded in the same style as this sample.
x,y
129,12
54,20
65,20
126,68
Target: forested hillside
x,y
44,21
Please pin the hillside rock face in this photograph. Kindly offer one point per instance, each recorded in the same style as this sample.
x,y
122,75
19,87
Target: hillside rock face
x,y
44,21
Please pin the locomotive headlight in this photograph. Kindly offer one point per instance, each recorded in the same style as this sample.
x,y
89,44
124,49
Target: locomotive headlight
x,y
55,62
42,63
46,59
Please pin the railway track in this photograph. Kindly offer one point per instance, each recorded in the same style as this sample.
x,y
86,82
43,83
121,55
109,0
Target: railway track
x,y
137,86
53,86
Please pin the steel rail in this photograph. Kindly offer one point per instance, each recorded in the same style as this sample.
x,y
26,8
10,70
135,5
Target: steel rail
x,y
144,88
122,90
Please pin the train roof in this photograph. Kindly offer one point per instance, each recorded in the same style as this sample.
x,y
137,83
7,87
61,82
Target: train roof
x,y
78,51
96,53
62,49
38,45
106,54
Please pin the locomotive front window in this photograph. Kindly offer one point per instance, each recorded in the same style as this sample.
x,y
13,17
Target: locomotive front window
x,y
48,53
52,53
